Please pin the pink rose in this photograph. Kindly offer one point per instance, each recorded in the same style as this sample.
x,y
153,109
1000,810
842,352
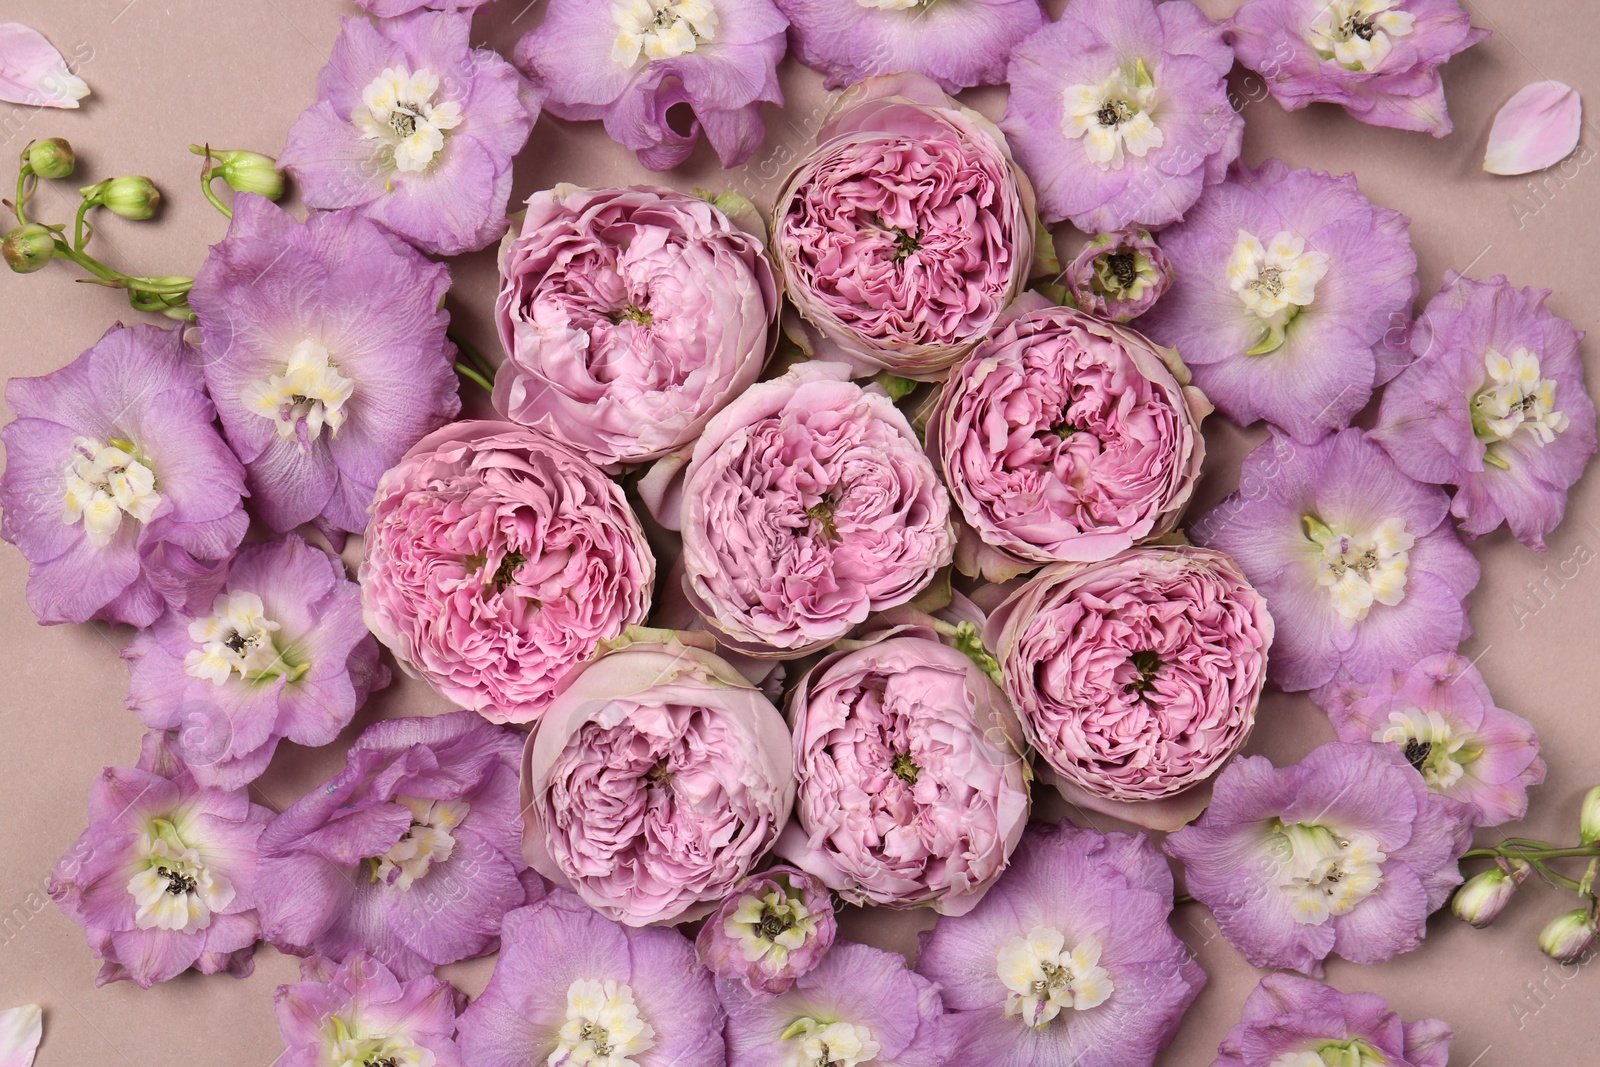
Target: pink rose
x,y
807,505
906,231
496,561
656,781
629,316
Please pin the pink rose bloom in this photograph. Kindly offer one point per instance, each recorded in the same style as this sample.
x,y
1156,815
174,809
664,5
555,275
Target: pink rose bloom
x,y
1139,676
497,560
808,504
911,790
905,233
773,928
656,781
629,317
1065,438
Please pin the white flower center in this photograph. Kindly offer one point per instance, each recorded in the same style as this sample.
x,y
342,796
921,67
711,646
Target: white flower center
x,y
1045,976
429,841
1358,34
1429,744
310,393
1361,569
105,482
1334,1054
892,5
770,926
660,29
351,1047
835,1044
1515,397
1114,117
174,889
397,109
603,1027
236,636
1274,281
1325,873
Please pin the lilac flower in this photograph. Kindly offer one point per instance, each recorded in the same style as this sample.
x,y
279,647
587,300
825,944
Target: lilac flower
x,y
358,1013
118,489
1292,289
280,652
773,928
325,352
411,853
1119,112
661,72
957,43
1494,404
1346,852
1379,59
1290,1021
1358,563
570,982
415,129
1092,977
164,879
1440,716
860,1006
1119,276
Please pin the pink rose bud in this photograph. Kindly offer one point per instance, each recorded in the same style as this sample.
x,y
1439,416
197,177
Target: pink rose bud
x,y
1119,276
775,927
1568,937
1484,896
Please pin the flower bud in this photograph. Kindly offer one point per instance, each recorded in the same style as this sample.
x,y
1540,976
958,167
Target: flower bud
x,y
52,158
250,172
27,248
1589,817
131,197
1485,896
1568,937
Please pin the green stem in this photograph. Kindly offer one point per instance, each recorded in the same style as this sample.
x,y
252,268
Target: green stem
x,y
205,187
1543,852
471,354
1556,878
473,376
79,239
19,208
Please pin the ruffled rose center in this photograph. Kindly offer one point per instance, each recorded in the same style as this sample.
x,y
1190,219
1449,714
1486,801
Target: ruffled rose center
x,y
769,927
835,1044
174,889
1515,397
236,636
350,1046
1114,119
660,29
398,111
1359,34
427,842
104,482
1046,977
603,1027
1325,873
1430,745
1274,282
1363,567
308,395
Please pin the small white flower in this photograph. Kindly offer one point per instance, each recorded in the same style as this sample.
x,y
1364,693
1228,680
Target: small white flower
x,y
310,390
1359,34
835,1044
1326,873
236,636
1516,396
660,29
1429,744
1045,977
1115,118
603,1027
398,110
1274,281
102,483
429,841
1361,568
174,888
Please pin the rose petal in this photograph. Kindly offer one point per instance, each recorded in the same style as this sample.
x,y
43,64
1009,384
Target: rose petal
x,y
1536,129
33,72
20,1031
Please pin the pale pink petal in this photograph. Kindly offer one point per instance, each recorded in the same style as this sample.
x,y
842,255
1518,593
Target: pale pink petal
x,y
33,72
1536,129
20,1031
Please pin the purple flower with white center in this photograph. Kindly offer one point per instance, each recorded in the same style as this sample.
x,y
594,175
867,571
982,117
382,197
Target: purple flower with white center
x,y
957,43
1289,1021
281,652
661,72
1379,59
1344,853
1092,977
118,489
860,1006
412,853
325,352
773,928
1494,404
1293,295
574,989
414,128
1440,716
1119,276
164,879
1119,112
357,1014
1359,564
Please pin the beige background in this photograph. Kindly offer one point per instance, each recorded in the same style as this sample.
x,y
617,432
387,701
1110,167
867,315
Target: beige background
x,y
237,72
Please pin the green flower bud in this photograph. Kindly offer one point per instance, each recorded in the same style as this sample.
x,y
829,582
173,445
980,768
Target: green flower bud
x,y
250,172
52,158
132,197
1589,817
1485,896
27,248
1569,937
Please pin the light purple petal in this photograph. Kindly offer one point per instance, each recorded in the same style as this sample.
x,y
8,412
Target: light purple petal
x,y
1537,128
33,73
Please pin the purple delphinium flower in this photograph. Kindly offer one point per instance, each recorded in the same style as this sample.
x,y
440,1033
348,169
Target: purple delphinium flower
x,y
661,72
358,1013
1092,976
1293,292
1119,276
1359,564
1495,404
957,43
1345,852
1440,716
324,349
118,489
861,1005
280,652
773,928
416,129
1289,1021
1379,59
570,981
1119,112
165,877
412,853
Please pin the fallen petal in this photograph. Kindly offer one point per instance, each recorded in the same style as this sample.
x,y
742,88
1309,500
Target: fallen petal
x,y
1536,129
33,72
20,1031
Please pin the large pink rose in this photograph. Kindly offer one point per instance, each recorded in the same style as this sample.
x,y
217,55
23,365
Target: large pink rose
x,y
1137,677
629,316
807,505
1066,438
497,560
911,789
656,781
906,231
